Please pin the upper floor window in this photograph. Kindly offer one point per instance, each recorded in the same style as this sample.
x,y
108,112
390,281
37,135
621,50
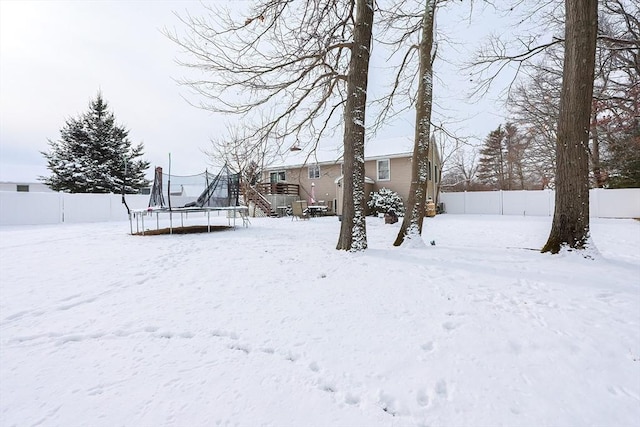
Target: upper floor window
x,y
384,170
429,170
277,176
314,172
435,174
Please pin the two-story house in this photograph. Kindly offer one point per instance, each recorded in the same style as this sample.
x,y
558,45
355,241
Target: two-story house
x,y
317,178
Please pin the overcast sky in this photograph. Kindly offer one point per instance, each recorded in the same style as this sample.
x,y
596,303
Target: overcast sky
x,y
56,55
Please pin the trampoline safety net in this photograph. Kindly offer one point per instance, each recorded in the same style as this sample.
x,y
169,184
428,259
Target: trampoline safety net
x,y
220,190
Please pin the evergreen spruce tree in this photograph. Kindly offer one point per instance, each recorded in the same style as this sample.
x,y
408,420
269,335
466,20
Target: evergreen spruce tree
x,y
91,153
491,164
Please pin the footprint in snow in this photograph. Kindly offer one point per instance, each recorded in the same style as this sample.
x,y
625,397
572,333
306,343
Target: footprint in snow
x,y
327,385
388,403
449,326
351,399
428,347
422,398
223,334
240,347
442,389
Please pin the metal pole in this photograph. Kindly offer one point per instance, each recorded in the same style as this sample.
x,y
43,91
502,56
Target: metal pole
x,y
169,197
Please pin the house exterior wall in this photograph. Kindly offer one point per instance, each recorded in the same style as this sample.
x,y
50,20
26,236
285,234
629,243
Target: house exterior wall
x,y
325,186
30,187
327,190
368,188
399,175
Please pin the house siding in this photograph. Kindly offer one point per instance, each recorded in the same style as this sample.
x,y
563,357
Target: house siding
x,y
325,186
31,187
327,190
399,174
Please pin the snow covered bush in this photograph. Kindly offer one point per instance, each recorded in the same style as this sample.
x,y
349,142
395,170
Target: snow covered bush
x,y
384,199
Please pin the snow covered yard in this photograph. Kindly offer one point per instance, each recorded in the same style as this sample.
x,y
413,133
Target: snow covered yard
x,y
271,326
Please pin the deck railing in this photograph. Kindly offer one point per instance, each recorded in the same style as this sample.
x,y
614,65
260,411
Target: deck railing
x,y
278,188
253,195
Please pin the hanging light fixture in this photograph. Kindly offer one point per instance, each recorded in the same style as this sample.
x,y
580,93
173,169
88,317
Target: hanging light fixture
x,y
296,146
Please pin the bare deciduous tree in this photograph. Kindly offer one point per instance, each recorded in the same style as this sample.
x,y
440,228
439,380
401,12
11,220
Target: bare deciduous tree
x,y
616,107
570,227
353,232
242,155
462,171
534,105
300,65
411,227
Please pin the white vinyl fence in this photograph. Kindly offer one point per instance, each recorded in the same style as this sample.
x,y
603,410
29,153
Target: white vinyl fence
x,y
603,203
54,208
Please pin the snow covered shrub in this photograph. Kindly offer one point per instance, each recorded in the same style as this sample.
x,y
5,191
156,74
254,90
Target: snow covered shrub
x,y
384,199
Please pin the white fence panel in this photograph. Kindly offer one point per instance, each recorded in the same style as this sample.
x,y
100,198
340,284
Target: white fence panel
x,y
53,208
453,202
540,203
603,203
527,203
79,207
616,203
134,201
30,208
514,202
484,203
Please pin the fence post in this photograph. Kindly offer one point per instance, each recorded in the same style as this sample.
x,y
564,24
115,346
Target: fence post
x,y
464,202
61,194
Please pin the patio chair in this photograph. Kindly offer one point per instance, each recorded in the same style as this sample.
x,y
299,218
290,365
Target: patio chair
x,y
299,208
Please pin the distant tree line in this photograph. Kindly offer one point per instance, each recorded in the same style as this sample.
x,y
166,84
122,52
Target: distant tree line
x,y
521,154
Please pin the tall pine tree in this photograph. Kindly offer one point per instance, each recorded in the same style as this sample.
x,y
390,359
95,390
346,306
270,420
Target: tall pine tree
x,y
93,153
492,160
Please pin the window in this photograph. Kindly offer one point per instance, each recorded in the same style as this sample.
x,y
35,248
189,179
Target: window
x,y
277,176
436,174
314,172
384,170
429,170
22,188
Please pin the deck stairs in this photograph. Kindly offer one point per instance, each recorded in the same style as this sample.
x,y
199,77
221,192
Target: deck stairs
x,y
259,206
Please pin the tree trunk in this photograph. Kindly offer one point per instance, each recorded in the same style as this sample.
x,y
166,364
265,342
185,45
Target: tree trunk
x,y
411,228
353,230
570,227
595,150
